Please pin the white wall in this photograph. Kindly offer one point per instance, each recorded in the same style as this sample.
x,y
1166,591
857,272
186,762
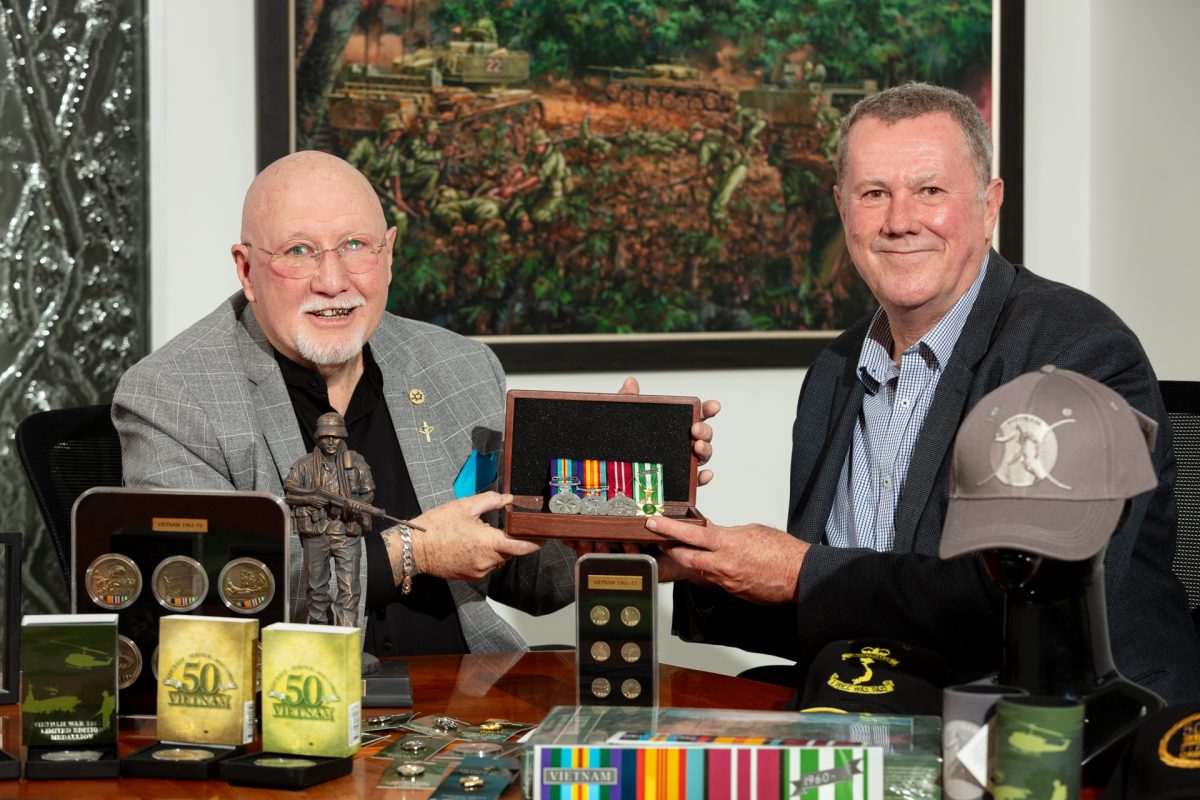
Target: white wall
x,y
1109,207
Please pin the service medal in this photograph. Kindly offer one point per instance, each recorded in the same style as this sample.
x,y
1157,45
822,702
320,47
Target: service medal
x,y
113,581
246,585
179,583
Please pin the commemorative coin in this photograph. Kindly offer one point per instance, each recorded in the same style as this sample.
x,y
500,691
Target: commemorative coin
x,y
631,688
631,652
283,763
182,754
246,585
599,615
601,687
601,651
113,581
179,583
73,755
129,661
630,616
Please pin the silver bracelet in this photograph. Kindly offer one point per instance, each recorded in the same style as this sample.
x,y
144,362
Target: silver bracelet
x,y
408,567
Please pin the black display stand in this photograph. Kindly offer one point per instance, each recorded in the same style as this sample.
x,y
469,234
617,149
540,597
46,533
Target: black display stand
x,y
249,771
616,659
10,768
39,767
388,687
143,764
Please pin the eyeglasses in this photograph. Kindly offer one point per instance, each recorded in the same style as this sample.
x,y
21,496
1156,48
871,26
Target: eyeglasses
x,y
357,253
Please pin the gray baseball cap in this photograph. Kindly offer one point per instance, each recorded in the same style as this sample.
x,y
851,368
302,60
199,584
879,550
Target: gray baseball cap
x,y
1045,464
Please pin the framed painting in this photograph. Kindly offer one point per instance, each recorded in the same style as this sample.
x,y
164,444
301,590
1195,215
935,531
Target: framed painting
x,y
629,184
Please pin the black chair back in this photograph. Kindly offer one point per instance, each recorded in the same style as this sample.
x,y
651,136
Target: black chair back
x,y
65,452
1182,399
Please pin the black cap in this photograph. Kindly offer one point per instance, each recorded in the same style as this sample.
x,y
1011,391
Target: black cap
x,y
1162,761
880,676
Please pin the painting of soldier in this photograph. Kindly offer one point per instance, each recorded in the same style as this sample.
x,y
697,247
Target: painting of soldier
x,y
617,167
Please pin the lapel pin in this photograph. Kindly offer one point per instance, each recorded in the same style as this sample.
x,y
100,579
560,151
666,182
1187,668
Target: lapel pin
x,y
416,396
425,430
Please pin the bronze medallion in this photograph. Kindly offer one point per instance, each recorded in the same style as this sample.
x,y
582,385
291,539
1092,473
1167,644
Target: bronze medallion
x,y
630,616
283,763
631,688
601,687
113,581
179,583
631,652
182,754
599,615
73,755
246,585
601,651
410,770
129,661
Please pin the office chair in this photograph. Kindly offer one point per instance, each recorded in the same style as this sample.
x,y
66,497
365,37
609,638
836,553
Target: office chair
x,y
65,452
1182,399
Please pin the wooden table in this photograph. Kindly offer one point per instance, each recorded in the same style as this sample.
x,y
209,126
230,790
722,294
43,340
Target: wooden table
x,y
520,686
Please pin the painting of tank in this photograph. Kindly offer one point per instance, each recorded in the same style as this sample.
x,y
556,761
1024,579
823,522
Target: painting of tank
x,y
625,166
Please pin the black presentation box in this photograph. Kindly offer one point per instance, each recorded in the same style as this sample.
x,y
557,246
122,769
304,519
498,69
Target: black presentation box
x,y
250,771
541,426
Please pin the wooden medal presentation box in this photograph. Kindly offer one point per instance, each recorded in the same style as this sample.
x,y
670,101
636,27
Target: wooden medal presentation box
x,y
541,426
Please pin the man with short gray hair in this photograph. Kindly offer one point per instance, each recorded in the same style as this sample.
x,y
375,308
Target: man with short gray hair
x,y
879,410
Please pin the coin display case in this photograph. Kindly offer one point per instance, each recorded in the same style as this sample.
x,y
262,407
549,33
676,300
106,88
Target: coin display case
x,y
193,762
147,553
540,426
10,617
616,660
284,771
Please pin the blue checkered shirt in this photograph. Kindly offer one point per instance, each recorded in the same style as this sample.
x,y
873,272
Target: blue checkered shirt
x,y
893,412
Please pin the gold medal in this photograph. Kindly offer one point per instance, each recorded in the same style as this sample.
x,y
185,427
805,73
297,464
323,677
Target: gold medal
x,y
179,583
630,616
631,688
601,687
246,585
599,615
113,581
631,652
601,651
129,662
283,763
182,754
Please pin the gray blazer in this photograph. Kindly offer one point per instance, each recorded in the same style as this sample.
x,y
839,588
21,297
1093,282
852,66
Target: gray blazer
x,y
209,410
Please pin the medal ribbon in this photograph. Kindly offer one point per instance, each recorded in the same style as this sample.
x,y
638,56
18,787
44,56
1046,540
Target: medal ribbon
x,y
594,474
620,478
648,490
562,468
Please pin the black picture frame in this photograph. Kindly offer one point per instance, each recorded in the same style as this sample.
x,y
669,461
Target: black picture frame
x,y
10,618
559,353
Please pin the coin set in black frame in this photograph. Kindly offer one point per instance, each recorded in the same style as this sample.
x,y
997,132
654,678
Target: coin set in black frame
x,y
149,553
617,660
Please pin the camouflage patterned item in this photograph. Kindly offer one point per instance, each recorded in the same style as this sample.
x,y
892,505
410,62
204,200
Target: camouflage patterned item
x,y
1038,749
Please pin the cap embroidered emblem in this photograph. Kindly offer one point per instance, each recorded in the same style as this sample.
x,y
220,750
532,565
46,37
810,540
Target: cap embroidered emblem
x,y
1024,451
1187,748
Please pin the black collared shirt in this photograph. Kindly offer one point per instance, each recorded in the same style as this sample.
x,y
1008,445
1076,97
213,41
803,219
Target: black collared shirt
x,y
421,623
